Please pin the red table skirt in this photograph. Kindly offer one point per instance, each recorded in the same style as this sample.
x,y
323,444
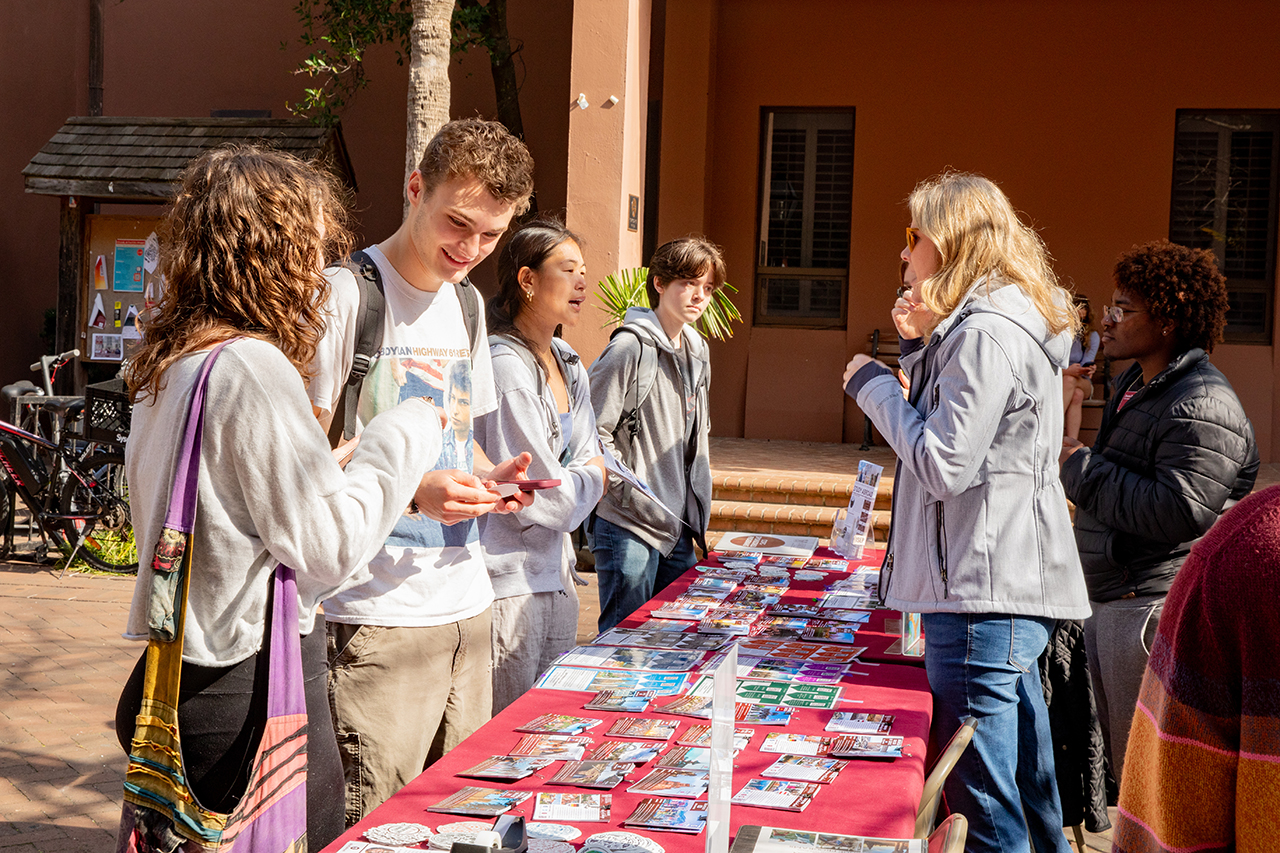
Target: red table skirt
x,y
876,798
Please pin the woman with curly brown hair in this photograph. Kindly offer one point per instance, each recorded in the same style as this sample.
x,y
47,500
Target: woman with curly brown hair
x,y
242,249
1174,451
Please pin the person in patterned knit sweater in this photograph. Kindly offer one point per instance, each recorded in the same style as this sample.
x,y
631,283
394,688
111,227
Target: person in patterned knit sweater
x,y
1202,771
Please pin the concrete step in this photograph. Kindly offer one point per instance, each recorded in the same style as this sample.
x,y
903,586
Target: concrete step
x,y
782,519
796,490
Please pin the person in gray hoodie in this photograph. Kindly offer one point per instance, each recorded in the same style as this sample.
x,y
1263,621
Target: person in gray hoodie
x,y
543,406
981,542
649,390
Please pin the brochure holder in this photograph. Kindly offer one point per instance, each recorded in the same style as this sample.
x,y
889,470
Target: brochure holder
x,y
512,832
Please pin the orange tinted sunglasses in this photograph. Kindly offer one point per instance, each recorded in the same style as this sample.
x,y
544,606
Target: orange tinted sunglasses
x,y
913,234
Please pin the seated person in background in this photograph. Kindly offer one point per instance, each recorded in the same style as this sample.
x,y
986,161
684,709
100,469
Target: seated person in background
x,y
1202,771
1175,449
544,405
640,548
1077,377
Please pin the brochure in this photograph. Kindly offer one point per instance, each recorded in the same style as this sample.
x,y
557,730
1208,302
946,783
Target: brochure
x,y
596,680
560,724
828,564
761,715
673,782
665,625
852,722
689,757
646,639
805,768
850,600
646,728
729,622
670,815
592,774
482,802
797,650
710,582
610,657
776,794
685,609
506,768
789,694
700,736
688,706
839,614
779,669
867,746
796,744
766,839
756,597
832,633
573,808
634,752
555,747
633,701
766,544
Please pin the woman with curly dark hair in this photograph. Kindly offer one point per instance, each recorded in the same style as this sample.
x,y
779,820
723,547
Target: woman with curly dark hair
x,y
1174,451
242,251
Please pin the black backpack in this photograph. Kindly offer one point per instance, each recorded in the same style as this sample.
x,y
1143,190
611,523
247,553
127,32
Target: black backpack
x,y
369,319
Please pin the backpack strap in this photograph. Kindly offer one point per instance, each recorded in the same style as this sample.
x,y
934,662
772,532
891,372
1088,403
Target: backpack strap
x,y
638,391
369,317
470,302
369,321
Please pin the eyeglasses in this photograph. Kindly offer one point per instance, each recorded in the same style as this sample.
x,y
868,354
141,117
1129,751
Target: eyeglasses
x,y
913,234
1116,314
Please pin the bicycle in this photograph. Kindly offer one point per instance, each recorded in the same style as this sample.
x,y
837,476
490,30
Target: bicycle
x,y
75,491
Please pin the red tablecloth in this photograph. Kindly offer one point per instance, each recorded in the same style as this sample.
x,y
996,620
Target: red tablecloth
x,y
875,798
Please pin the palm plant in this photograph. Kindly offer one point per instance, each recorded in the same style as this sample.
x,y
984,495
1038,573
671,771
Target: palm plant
x,y
625,289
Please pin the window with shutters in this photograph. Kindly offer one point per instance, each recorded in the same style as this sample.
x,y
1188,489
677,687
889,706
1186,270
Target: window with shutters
x,y
806,206
1224,200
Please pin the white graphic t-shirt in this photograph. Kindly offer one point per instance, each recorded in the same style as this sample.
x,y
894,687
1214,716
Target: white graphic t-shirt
x,y
427,573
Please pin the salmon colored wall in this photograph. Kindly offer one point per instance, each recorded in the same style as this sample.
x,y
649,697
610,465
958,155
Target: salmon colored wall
x,y
1070,107
606,146
185,59
43,79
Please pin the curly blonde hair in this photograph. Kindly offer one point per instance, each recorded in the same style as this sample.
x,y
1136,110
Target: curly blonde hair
x,y
241,251
978,234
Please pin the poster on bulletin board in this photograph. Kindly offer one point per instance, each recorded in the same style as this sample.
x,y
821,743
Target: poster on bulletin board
x,y
122,282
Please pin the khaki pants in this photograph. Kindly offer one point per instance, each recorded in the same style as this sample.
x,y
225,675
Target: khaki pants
x,y
529,632
402,698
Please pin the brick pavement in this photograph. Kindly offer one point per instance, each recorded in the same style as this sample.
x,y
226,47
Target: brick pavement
x,y
62,663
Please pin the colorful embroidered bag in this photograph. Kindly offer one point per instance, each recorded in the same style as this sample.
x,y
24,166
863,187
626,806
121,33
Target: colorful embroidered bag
x,y
160,812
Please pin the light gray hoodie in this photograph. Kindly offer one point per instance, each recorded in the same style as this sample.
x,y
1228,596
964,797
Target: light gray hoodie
x,y
529,551
980,521
657,453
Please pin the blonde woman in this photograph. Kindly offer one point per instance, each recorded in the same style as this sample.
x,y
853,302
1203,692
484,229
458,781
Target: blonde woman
x,y
981,543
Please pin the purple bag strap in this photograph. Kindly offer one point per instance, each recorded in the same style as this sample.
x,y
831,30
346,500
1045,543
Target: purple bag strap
x,y
285,693
186,474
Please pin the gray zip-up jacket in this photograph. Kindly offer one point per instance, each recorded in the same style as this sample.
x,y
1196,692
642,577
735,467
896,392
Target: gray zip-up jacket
x,y
657,452
530,551
980,520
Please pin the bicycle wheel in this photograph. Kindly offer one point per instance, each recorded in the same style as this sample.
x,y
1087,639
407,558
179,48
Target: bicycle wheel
x,y
99,498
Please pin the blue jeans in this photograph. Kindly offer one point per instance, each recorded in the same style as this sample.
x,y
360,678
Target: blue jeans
x,y
630,572
986,666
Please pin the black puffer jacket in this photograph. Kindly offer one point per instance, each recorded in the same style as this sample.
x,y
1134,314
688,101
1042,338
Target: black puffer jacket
x,y
1162,470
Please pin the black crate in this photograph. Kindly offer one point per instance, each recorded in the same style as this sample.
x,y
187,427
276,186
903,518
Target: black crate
x,y
107,411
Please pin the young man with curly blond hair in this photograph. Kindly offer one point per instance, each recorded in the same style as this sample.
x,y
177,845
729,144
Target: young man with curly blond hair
x,y
409,647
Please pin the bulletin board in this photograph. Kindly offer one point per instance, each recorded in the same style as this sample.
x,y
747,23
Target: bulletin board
x,y
123,282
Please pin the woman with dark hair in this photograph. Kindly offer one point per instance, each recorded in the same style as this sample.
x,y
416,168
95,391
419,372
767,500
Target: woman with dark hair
x,y
981,541
544,407
243,246
1174,451
1077,376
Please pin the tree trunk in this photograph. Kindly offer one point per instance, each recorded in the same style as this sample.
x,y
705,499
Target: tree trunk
x,y
428,77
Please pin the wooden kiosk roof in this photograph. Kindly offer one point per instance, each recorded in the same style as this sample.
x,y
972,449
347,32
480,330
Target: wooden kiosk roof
x,y
139,159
